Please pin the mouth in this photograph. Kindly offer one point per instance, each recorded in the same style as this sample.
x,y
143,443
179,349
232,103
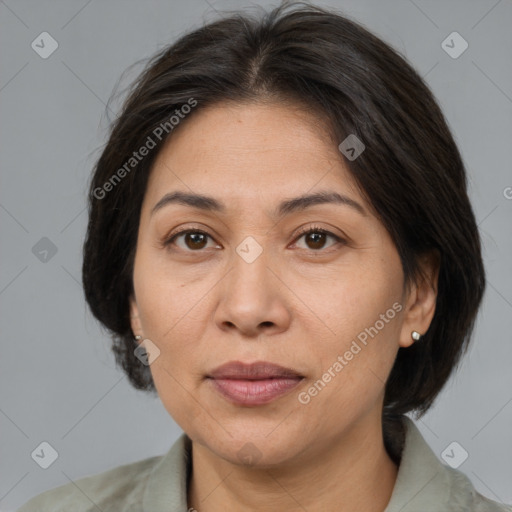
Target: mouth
x,y
253,384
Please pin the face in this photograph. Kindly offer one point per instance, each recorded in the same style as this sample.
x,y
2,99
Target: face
x,y
247,283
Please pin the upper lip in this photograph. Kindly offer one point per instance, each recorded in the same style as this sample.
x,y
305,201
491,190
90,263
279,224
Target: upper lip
x,y
252,371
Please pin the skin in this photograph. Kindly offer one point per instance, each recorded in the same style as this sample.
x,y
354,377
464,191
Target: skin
x,y
300,304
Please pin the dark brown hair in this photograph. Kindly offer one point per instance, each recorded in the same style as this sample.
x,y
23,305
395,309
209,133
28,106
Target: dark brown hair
x,y
411,171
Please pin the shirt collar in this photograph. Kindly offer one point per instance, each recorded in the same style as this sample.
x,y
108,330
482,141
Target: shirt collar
x,y
422,481
166,489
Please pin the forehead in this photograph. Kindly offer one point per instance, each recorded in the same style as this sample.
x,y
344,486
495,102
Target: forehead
x,y
244,152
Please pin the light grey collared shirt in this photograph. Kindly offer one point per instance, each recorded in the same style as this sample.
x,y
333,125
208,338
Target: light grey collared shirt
x,y
159,484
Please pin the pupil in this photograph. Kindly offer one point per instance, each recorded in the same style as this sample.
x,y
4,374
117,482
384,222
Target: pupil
x,y
196,238
317,239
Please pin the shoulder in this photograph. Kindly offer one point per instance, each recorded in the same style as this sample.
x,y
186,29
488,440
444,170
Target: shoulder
x,y
118,489
463,495
424,483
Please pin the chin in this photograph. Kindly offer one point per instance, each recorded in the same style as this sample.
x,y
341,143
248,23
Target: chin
x,y
252,446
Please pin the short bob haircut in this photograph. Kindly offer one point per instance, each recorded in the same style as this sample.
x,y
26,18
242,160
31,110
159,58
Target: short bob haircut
x,y
411,171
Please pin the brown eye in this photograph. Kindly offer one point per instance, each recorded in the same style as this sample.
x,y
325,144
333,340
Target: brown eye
x,y
194,240
316,238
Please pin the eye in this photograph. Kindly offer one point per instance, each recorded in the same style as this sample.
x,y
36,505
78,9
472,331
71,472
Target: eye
x,y
194,239
316,237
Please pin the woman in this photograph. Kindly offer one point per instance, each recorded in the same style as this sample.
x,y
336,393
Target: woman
x,y
281,244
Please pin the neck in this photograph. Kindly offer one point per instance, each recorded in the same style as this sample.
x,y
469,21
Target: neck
x,y
350,472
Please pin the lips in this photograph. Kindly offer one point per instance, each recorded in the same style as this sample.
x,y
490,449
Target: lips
x,y
253,384
254,371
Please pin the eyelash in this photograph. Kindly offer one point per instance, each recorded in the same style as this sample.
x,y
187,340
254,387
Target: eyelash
x,y
313,229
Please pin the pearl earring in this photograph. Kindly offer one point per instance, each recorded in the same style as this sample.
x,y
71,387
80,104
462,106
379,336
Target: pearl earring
x,y
415,335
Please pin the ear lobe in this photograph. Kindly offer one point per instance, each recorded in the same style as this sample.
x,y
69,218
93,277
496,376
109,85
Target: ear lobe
x,y
421,300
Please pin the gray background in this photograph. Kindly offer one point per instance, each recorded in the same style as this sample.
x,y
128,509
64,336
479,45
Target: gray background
x,y
58,379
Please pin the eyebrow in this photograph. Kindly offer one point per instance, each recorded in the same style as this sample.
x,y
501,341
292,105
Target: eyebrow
x,y
286,207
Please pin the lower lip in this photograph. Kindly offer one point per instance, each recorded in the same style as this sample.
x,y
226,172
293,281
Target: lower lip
x,y
254,392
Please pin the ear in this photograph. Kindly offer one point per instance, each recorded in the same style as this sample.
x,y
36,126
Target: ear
x,y
134,317
421,299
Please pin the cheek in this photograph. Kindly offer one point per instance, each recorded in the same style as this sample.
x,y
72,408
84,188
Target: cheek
x,y
350,373
363,313
169,313
354,299
168,303
176,393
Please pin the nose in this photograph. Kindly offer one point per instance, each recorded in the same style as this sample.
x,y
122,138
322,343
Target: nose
x,y
253,299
